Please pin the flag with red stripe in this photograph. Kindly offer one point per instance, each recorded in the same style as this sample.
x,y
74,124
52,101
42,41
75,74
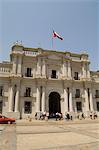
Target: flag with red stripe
x,y
55,34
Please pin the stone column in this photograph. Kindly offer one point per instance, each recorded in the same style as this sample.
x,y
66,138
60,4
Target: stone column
x,y
11,98
65,100
43,99
19,65
84,70
39,67
88,71
69,69
34,73
14,65
86,100
17,99
43,68
64,69
70,101
91,101
38,100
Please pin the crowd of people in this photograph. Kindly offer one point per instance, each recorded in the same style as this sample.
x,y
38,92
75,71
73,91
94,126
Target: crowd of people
x,y
59,116
93,115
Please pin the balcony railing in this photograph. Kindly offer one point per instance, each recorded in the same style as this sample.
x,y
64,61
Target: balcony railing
x,y
5,71
76,78
54,76
96,96
77,96
28,75
27,95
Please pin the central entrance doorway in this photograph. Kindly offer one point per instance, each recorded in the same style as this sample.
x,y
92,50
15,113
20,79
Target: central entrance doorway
x,y
54,103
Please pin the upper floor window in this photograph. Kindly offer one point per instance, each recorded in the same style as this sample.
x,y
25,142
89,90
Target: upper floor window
x,y
1,90
97,94
76,77
28,92
29,72
77,95
53,75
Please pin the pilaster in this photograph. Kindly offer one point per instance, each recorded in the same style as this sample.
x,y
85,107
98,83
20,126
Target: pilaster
x,y
39,67
69,69
17,99
14,70
84,71
43,99
70,101
86,100
43,68
65,100
38,99
11,98
91,101
19,65
64,69
88,71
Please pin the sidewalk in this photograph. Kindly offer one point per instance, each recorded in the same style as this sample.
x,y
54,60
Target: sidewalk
x,y
54,122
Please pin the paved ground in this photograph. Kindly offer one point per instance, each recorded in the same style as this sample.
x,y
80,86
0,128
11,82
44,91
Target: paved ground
x,y
51,135
79,135
8,137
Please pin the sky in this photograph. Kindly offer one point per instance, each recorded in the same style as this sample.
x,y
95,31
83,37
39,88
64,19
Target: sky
x,y
32,22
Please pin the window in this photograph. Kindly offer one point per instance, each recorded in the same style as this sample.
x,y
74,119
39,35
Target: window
x,y
0,106
76,76
28,92
79,106
88,92
97,104
77,95
27,107
97,94
53,75
29,72
1,90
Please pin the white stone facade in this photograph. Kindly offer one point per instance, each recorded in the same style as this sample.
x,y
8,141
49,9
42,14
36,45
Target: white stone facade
x,y
42,80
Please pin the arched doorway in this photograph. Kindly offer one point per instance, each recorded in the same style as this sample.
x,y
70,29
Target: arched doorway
x,y
54,103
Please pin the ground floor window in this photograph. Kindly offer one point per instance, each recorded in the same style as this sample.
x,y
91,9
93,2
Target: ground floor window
x,y
27,107
79,106
97,106
0,106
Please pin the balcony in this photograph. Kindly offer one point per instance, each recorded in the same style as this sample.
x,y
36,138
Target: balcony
x,y
54,76
27,95
28,75
96,96
76,78
77,96
4,71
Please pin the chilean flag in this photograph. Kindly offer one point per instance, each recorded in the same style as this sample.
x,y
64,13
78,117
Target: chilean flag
x,y
55,34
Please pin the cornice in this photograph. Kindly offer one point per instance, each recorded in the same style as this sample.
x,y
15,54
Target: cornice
x,y
18,46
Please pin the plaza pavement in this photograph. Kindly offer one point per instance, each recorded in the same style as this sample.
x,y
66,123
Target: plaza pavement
x,y
51,135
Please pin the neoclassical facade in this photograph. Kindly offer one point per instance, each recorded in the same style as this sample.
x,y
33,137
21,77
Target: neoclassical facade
x,y
37,80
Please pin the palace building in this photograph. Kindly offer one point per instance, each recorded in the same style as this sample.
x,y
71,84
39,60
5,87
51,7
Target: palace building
x,y
37,80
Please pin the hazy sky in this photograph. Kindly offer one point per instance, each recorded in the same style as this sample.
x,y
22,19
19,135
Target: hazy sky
x,y
32,22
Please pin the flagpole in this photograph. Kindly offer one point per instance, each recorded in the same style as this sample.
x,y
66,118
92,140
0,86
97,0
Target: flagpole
x,y
52,38
52,42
